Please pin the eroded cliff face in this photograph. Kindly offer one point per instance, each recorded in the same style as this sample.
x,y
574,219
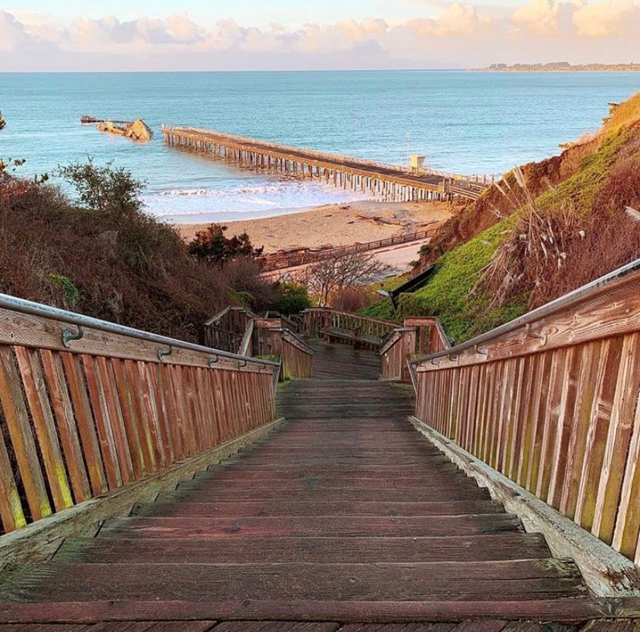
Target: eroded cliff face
x,y
503,200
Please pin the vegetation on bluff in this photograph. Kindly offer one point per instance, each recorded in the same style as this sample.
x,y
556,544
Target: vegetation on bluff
x,y
547,229
104,257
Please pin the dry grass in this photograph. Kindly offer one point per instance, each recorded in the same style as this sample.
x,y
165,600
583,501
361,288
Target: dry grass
x,y
624,114
553,251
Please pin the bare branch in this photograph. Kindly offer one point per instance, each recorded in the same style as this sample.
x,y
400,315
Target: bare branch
x,y
338,272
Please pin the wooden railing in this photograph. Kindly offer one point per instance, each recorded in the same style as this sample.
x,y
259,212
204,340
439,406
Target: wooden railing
x,y
318,320
418,336
295,354
270,336
282,260
551,400
226,330
89,406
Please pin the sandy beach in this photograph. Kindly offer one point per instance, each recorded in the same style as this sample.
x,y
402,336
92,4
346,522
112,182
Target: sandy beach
x,y
335,224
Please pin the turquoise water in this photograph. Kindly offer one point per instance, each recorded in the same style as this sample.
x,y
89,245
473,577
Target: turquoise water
x,y
462,121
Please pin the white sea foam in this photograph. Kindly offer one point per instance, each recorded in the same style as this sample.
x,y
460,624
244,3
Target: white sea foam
x,y
262,199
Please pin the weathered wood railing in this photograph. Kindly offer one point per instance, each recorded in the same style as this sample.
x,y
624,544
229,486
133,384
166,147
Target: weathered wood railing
x,y
551,400
351,328
418,336
271,339
226,330
89,406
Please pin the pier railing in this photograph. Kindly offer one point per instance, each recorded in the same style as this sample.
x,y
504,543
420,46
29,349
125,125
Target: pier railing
x,y
312,153
296,356
226,330
87,406
382,180
551,401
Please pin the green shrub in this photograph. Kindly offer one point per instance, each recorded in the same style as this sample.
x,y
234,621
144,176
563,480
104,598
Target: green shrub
x,y
291,298
70,292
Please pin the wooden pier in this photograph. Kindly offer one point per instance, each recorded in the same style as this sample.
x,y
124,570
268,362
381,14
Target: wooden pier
x,y
380,180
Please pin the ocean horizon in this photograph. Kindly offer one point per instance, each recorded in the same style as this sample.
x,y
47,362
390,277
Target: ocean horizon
x,y
466,122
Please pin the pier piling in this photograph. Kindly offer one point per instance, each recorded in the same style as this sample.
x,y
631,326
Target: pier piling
x,y
379,180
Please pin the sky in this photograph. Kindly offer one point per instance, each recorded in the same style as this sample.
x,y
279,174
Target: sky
x,y
76,35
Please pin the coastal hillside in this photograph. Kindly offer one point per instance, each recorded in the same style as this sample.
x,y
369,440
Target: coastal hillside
x,y
544,230
102,256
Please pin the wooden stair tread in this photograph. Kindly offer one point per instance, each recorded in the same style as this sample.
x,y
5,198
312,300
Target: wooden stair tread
x,y
371,495
428,581
259,508
305,526
503,546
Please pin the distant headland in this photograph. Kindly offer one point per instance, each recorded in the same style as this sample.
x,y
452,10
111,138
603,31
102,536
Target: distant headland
x,y
561,66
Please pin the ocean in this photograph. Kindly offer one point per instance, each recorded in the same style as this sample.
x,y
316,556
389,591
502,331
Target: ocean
x,y
463,122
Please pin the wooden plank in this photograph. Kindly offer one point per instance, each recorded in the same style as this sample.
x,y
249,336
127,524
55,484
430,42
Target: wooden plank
x,y
33,543
311,508
604,388
109,392
579,428
539,416
123,393
276,626
474,581
550,434
563,436
44,425
151,429
85,423
559,609
103,425
66,423
625,537
619,437
22,441
398,627
170,411
267,550
11,510
303,526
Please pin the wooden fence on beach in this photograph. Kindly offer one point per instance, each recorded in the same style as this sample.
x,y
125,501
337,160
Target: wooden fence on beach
x,y
282,260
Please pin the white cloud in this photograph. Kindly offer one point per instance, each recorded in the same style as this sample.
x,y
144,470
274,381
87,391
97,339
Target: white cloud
x,y
612,18
540,17
455,33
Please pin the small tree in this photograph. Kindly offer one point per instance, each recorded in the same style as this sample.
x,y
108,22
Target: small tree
x,y
106,189
338,272
213,247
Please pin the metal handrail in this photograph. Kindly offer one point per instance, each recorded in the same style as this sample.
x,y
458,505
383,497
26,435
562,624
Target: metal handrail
x,y
559,303
46,311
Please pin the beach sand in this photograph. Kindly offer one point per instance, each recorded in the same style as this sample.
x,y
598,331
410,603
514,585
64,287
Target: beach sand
x,y
335,224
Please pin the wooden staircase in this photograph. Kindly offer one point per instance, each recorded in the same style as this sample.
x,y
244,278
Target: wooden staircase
x,y
344,517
